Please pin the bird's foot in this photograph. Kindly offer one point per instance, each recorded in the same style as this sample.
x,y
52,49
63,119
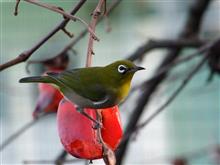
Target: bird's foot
x,y
97,123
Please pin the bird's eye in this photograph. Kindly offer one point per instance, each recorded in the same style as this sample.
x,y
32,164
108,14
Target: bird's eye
x,y
122,69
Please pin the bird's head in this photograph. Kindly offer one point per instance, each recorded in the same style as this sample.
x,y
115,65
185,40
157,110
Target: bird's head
x,y
122,71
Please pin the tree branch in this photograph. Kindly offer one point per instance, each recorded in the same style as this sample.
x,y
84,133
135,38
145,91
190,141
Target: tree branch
x,y
190,30
49,161
174,63
84,32
15,135
26,54
61,158
173,96
108,154
206,48
185,158
16,7
153,44
66,15
95,16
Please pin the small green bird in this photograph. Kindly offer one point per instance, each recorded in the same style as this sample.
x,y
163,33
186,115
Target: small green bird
x,y
93,87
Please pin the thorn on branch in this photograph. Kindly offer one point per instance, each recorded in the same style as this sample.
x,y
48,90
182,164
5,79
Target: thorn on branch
x,y
60,8
60,11
85,31
94,21
24,56
93,53
67,32
16,7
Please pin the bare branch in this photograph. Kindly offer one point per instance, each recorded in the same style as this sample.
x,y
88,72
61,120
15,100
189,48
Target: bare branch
x,y
173,96
50,161
108,154
61,158
67,32
14,136
186,157
26,54
174,63
16,7
95,16
84,32
153,44
60,11
206,48
190,30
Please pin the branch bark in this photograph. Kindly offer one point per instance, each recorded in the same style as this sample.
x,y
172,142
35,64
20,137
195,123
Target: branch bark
x,y
190,30
84,32
65,15
168,44
95,16
173,96
61,158
15,135
108,154
26,54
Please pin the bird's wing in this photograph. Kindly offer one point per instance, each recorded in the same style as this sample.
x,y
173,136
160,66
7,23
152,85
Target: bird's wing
x,y
83,82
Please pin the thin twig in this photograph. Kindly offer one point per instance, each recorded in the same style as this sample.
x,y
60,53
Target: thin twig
x,y
170,99
174,63
95,16
67,32
187,157
84,32
50,161
190,30
16,7
81,35
15,135
153,44
108,154
61,158
58,10
173,96
26,54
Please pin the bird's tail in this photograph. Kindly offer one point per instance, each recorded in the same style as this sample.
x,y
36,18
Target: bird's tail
x,y
37,79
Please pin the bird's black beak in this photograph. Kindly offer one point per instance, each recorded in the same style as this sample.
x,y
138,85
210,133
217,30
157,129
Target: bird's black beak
x,y
136,68
139,68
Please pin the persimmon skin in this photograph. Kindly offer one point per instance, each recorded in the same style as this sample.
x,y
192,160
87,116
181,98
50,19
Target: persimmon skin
x,y
48,99
77,135
47,89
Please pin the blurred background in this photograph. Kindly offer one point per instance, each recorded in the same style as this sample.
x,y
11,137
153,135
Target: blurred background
x,y
190,123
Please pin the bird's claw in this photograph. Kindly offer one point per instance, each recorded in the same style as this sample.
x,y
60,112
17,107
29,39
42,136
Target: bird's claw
x,y
97,125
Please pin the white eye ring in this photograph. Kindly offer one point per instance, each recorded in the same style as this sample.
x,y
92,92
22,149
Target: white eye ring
x,y
122,69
